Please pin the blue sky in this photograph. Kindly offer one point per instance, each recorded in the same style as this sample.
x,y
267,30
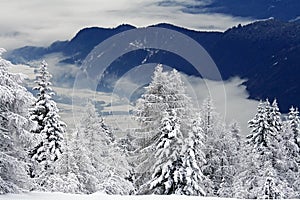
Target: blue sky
x,y
39,23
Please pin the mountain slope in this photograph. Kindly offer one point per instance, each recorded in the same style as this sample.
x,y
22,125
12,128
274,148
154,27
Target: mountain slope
x,y
266,53
258,9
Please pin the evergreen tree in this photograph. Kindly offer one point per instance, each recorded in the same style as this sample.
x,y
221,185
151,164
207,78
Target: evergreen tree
x,y
275,119
50,129
177,171
294,123
154,101
82,164
218,149
164,92
193,160
148,112
230,161
168,177
270,190
64,176
15,138
235,132
104,168
208,116
263,154
264,129
290,145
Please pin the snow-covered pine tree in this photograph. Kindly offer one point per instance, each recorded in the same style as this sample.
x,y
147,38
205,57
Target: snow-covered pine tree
x,y
292,159
165,91
168,176
82,164
235,131
208,116
246,182
107,169
147,112
15,138
275,119
193,160
173,114
231,147
260,127
177,169
50,129
218,149
178,99
195,131
294,123
64,176
270,190
263,153
149,107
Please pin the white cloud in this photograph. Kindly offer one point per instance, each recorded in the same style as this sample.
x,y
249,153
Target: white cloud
x,y
229,97
23,69
38,22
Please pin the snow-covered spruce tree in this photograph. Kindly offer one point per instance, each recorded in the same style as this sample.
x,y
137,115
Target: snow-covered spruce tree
x,y
230,146
263,154
172,109
50,129
104,168
220,150
168,177
80,163
148,112
193,160
190,126
290,144
275,118
209,117
235,132
64,176
149,107
15,138
270,190
177,169
294,124
165,91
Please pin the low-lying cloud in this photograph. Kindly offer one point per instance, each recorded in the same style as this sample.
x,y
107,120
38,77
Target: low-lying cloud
x,y
230,98
39,23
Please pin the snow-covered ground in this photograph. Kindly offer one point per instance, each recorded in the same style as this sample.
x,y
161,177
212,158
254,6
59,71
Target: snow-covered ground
x,y
96,196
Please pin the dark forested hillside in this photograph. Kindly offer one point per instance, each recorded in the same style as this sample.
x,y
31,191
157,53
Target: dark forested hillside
x,y
266,53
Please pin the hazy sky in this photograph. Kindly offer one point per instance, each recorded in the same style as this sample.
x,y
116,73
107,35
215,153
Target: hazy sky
x,y
36,22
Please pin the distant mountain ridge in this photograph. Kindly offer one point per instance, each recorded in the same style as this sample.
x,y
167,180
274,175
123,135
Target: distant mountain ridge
x,y
256,9
76,49
266,53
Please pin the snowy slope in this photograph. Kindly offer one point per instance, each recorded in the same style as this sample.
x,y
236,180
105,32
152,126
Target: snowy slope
x,y
96,196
